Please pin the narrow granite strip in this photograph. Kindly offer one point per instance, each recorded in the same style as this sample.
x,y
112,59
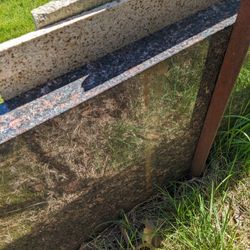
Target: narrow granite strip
x,y
58,10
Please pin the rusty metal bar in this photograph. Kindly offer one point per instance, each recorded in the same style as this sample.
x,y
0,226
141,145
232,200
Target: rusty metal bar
x,y
218,44
233,60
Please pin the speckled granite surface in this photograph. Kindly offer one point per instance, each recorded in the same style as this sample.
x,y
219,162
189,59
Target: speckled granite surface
x,y
112,70
58,10
34,58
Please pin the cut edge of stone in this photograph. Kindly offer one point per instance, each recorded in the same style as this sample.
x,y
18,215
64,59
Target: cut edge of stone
x,y
58,10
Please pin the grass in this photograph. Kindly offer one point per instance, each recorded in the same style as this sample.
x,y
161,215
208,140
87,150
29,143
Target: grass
x,y
213,213
16,18
208,213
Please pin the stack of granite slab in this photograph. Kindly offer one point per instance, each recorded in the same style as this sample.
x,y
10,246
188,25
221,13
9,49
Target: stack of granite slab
x,y
103,107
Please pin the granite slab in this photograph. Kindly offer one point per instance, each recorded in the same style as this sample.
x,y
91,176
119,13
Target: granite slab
x,y
58,10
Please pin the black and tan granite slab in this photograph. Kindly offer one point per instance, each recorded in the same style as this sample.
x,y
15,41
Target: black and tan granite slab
x,y
62,179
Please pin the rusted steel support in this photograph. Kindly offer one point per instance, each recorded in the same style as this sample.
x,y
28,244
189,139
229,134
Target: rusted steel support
x,y
218,44
230,68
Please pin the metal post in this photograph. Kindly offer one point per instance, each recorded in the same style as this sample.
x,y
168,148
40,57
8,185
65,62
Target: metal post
x,y
233,60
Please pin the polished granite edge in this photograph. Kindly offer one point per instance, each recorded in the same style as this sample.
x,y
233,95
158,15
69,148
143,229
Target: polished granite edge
x,y
55,11
116,68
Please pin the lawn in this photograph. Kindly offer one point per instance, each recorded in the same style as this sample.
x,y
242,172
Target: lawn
x,y
16,18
